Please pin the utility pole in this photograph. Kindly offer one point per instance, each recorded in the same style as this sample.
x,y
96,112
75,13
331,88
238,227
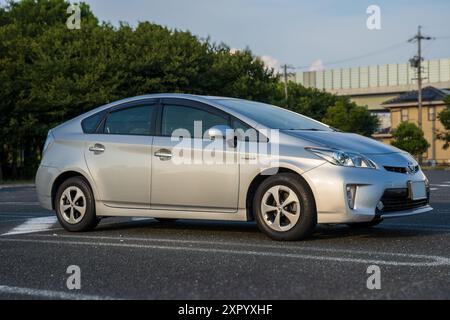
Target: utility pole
x,y
416,62
285,71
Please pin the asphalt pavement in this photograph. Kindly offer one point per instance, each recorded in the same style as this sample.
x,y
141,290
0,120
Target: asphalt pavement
x,y
126,258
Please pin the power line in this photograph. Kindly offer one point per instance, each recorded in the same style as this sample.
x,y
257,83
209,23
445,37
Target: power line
x,y
394,46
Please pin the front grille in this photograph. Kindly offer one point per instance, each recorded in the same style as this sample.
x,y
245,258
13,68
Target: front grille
x,y
399,200
401,169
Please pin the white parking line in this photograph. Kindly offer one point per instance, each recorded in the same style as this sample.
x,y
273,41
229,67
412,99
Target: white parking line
x,y
33,225
49,294
440,185
430,261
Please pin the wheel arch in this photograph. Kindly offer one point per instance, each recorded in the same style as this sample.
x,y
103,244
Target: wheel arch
x,y
63,177
262,176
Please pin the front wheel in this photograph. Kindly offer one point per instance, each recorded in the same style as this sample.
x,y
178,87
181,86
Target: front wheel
x,y
75,207
285,207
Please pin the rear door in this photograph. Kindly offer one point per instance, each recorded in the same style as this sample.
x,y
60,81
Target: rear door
x,y
119,157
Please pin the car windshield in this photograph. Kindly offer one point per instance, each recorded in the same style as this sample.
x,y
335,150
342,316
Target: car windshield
x,y
273,117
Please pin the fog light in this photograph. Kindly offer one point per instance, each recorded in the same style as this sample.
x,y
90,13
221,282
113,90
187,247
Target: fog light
x,y
380,206
351,195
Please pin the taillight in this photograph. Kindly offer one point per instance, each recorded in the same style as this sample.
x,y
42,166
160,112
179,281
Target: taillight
x,y
48,141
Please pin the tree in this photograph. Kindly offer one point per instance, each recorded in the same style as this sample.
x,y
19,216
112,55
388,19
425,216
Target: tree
x,y
409,137
444,117
349,117
310,102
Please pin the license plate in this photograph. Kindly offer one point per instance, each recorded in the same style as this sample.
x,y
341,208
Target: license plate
x,y
417,190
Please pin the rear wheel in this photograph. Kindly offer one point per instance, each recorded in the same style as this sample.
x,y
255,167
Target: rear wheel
x,y
285,208
75,207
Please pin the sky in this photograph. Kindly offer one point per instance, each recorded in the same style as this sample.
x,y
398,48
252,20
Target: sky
x,y
305,34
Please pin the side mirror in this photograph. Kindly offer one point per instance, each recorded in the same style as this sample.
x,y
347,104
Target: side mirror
x,y
220,132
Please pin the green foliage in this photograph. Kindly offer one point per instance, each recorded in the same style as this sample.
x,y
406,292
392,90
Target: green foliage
x,y
444,117
310,102
347,116
409,137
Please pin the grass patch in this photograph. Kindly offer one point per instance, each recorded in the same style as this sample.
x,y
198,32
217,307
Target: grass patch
x,y
3,182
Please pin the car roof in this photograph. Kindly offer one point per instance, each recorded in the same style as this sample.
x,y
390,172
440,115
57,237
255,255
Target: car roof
x,y
210,100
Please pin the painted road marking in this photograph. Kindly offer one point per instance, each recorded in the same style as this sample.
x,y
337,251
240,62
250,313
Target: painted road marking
x,y
33,225
428,261
50,294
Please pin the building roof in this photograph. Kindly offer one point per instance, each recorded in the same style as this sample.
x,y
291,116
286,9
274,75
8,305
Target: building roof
x,y
429,94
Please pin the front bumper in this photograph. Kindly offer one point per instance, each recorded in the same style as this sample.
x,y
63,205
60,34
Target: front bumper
x,y
329,182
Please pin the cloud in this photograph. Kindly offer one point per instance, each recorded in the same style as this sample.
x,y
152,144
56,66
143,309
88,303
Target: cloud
x,y
234,50
271,62
317,65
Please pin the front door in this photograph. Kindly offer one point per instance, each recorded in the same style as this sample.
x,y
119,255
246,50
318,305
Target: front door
x,y
186,175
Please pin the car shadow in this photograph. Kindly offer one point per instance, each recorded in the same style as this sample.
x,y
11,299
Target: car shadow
x,y
243,229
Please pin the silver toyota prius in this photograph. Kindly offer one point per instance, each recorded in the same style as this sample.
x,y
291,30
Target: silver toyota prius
x,y
175,156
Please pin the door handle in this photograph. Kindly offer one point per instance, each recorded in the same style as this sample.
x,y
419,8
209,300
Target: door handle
x,y
97,148
163,154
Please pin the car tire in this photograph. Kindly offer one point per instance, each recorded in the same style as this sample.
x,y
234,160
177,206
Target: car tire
x,y
294,221
75,205
166,220
362,225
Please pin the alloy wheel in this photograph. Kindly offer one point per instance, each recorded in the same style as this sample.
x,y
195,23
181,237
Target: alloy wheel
x,y
280,207
72,205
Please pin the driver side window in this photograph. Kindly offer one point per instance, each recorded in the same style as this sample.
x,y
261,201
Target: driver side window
x,y
183,117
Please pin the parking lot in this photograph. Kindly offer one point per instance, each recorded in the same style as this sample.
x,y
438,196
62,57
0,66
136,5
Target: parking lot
x,y
143,258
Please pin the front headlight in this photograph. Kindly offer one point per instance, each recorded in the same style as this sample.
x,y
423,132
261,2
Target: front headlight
x,y
343,158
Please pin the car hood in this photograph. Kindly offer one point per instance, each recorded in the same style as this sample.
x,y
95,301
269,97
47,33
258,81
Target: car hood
x,y
344,141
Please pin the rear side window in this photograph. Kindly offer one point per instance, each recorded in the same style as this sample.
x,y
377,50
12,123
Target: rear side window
x,y
90,124
130,121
